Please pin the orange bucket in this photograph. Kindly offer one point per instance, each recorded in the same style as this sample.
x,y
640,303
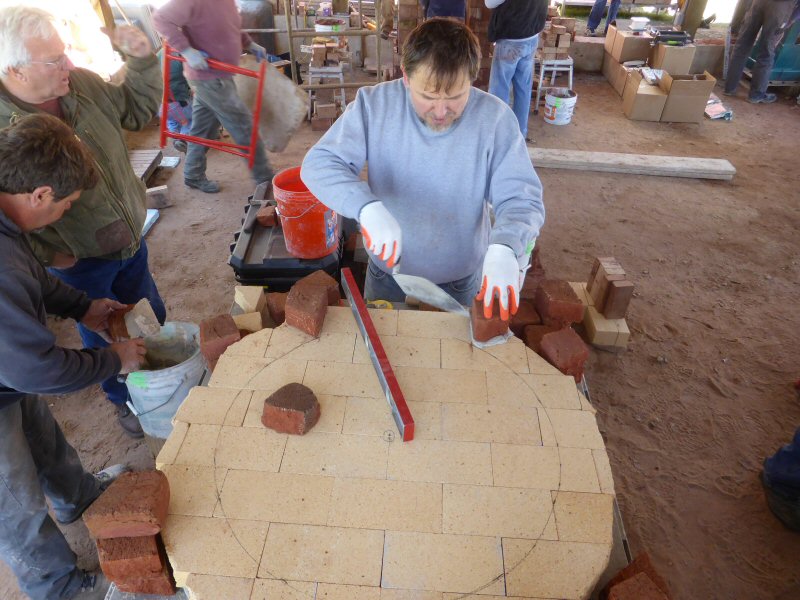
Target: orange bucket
x,y
309,227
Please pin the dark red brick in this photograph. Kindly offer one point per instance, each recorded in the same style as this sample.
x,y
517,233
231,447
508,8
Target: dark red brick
x,y
533,276
638,587
618,297
320,278
267,216
532,336
565,350
134,505
276,307
292,409
306,308
161,584
129,557
526,315
558,304
216,334
484,329
641,564
117,329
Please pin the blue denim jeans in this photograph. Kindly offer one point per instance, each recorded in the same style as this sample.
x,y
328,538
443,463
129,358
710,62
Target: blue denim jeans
x,y
512,65
597,14
179,118
216,101
379,285
37,461
127,281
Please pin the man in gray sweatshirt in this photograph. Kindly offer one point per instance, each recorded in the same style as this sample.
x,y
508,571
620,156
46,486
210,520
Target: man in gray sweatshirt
x,y
43,168
440,153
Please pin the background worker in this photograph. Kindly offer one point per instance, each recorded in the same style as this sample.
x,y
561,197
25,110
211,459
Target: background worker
x,y
179,108
43,169
201,29
514,28
456,9
596,15
440,152
98,246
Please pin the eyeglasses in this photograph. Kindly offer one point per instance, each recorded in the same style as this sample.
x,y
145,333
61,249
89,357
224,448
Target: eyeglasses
x,y
60,64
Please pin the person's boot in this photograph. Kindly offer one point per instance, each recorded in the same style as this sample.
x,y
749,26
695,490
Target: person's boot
x,y
106,477
129,422
94,586
204,185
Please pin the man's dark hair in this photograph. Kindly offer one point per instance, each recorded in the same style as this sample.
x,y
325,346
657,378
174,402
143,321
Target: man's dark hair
x,y
40,150
445,46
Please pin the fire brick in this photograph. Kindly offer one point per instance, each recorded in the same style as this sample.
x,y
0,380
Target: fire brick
x,y
484,329
129,557
638,587
276,307
320,278
134,505
267,216
565,350
532,336
160,584
306,308
216,334
557,303
526,315
291,409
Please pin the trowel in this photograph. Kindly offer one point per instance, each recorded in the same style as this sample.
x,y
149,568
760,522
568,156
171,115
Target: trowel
x,y
428,292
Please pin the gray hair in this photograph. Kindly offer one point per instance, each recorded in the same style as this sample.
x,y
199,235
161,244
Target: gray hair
x,y
17,24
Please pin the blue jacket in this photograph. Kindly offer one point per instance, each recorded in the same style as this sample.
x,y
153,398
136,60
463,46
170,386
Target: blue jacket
x,y
444,8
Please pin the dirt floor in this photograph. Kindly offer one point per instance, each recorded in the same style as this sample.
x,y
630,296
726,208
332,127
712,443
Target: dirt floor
x,y
704,391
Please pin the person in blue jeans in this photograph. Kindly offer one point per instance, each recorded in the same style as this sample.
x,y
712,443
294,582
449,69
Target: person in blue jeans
x,y
179,109
597,15
514,28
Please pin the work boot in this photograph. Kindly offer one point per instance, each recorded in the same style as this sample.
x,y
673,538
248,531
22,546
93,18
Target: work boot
x,y
129,422
106,477
766,98
204,185
180,145
94,586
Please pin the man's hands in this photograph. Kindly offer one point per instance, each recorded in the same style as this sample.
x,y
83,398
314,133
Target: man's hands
x,y
195,59
96,318
258,51
131,40
501,279
382,235
131,354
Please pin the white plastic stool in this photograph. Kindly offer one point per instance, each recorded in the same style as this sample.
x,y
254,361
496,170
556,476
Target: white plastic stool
x,y
552,67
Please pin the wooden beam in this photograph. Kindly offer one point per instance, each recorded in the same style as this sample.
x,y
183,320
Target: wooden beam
x,y
633,164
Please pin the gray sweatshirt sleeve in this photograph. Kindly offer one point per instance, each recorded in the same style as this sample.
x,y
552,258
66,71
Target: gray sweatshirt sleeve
x,y
332,168
30,361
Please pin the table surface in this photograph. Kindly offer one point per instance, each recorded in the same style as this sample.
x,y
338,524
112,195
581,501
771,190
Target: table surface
x,y
506,490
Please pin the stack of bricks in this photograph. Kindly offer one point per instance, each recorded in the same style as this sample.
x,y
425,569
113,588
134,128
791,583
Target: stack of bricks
x,y
478,21
408,17
606,295
325,52
126,522
555,40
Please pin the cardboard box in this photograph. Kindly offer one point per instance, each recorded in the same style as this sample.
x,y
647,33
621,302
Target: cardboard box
x,y
326,110
615,73
628,46
676,60
687,97
642,101
610,37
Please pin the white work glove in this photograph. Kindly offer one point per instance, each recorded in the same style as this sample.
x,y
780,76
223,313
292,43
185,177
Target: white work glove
x,y
382,235
500,279
195,58
258,51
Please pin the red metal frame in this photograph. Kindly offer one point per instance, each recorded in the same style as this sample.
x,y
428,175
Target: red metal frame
x,y
248,152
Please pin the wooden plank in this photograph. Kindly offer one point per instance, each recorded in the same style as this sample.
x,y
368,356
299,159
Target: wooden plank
x,y
633,164
144,162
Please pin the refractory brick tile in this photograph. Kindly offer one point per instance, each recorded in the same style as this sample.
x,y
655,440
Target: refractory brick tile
x,y
604,475
387,594
539,366
339,379
511,390
493,511
214,587
207,405
547,569
417,323
512,354
336,347
382,504
443,563
490,423
193,489
575,429
249,448
253,345
331,591
522,466
169,451
556,391
279,589
404,351
438,461
372,416
584,517
284,497
336,456
437,385
578,471
324,554
458,354
199,445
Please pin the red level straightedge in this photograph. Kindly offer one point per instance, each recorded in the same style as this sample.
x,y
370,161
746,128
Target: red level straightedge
x,y
394,394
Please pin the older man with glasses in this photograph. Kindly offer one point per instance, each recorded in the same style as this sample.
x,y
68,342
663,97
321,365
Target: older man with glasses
x,y
98,246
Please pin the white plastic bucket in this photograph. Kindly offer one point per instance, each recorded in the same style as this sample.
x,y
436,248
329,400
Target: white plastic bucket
x,y
558,105
156,395
639,23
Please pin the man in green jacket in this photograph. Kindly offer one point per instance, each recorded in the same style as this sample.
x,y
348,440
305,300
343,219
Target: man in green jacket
x,y
98,246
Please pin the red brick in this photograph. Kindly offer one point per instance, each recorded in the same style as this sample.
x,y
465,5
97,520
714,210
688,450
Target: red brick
x,y
134,505
292,409
117,329
641,564
533,276
216,334
276,307
129,557
557,303
618,297
320,278
161,584
267,216
484,329
526,315
565,350
638,587
532,336
306,308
